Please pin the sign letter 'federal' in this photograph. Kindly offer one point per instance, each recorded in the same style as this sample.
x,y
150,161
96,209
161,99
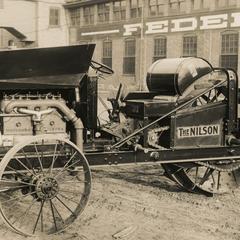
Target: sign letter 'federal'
x,y
157,27
130,28
236,18
184,24
214,21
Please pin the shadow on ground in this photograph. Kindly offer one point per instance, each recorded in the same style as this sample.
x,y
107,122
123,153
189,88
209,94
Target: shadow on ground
x,y
149,176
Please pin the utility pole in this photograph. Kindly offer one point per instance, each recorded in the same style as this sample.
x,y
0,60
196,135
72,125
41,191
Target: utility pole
x,y
142,49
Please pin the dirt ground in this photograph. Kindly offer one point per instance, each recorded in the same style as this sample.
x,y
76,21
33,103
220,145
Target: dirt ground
x,y
138,202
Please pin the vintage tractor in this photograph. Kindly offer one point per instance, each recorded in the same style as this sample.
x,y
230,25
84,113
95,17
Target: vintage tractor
x,y
50,131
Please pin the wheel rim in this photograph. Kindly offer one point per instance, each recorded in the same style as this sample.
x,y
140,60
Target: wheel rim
x,y
205,179
44,185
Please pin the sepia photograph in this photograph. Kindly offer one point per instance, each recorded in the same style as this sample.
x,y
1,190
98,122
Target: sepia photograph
x,y
119,120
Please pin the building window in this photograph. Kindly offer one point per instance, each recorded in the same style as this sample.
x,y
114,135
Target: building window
x,y
206,4
129,57
88,15
75,17
107,53
232,3
174,5
190,46
177,6
103,12
54,17
229,51
160,48
156,7
222,3
119,10
136,8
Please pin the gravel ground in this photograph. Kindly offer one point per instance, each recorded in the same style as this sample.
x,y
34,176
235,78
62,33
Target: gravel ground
x,y
138,202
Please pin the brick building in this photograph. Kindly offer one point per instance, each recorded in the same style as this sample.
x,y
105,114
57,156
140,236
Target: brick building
x,y
33,23
131,34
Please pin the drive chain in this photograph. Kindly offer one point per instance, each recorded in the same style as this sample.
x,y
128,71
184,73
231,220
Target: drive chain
x,y
228,167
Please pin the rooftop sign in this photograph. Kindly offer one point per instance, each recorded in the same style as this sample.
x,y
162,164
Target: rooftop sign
x,y
219,21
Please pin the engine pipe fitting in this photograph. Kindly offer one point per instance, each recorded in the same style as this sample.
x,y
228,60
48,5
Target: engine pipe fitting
x,y
51,103
38,114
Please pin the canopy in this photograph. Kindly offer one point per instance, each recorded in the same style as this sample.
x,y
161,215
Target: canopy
x,y
58,67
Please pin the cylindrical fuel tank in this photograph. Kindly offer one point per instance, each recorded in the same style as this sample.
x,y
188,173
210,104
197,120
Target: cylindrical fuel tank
x,y
173,76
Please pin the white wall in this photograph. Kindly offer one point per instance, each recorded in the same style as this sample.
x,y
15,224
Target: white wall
x,y
31,18
47,35
20,15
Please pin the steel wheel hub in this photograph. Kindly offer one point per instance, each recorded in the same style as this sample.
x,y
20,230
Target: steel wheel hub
x,y
46,187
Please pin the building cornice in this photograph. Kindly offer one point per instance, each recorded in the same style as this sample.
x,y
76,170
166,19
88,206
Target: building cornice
x,y
73,4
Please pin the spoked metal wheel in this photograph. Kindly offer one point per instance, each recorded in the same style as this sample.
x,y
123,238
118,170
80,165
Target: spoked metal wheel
x,y
45,184
205,178
215,95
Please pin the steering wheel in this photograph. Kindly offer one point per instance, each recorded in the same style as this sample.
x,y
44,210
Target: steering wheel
x,y
101,67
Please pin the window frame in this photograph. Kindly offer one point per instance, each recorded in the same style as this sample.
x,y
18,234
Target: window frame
x,y
103,13
129,57
54,21
136,9
88,16
229,50
192,50
75,17
106,53
119,13
157,49
158,6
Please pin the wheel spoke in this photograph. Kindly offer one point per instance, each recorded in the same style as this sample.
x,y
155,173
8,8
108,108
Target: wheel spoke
x,y
69,168
65,166
24,215
218,181
17,183
67,182
42,150
67,198
28,161
53,215
235,178
209,96
54,158
42,221
68,191
19,173
196,175
12,188
206,175
20,197
38,157
20,201
66,206
31,172
178,170
58,213
40,212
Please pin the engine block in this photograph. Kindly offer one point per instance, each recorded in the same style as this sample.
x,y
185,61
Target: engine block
x,y
25,121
